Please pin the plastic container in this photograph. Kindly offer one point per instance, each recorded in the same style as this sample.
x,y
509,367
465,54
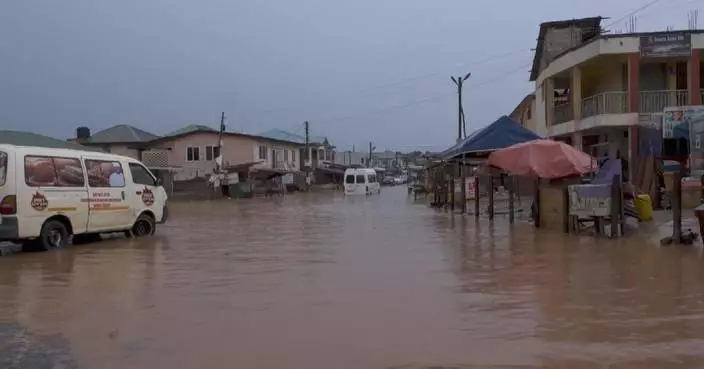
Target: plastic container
x,y
644,207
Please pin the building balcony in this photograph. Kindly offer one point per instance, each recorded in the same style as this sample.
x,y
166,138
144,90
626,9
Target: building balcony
x,y
657,101
612,109
284,165
615,102
562,113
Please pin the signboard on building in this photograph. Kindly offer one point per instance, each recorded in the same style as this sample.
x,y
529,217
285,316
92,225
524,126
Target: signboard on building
x,y
687,122
665,45
590,200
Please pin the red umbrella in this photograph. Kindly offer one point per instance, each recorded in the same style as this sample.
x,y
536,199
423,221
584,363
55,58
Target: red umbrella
x,y
543,158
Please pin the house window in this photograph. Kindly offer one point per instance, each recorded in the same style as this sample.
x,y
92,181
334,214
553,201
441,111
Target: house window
x,y
193,153
211,152
528,114
293,156
286,155
262,152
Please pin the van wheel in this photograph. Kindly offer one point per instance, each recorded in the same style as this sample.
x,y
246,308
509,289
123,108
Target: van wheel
x,y
143,226
54,235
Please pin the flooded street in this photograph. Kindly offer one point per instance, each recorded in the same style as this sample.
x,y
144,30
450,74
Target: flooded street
x,y
322,281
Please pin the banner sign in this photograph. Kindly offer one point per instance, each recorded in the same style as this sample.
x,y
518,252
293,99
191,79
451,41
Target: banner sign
x,y
590,200
666,45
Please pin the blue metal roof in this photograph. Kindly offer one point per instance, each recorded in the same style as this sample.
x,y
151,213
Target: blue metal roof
x,y
503,133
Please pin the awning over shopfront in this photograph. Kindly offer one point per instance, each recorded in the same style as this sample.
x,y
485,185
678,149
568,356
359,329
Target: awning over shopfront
x,y
503,133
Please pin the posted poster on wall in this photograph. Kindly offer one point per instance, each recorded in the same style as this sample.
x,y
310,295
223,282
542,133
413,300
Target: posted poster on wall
x,y
687,122
469,187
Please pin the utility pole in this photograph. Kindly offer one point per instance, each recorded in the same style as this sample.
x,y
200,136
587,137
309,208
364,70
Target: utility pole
x,y
218,162
459,82
306,155
370,154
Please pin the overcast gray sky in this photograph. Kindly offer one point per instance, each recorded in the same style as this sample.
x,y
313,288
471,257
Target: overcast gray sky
x,y
358,70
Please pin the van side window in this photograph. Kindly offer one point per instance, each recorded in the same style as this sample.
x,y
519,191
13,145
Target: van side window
x,y
360,178
349,179
48,171
372,178
105,173
140,175
3,168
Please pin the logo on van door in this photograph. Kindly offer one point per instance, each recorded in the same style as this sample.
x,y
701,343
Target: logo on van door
x,y
147,196
39,202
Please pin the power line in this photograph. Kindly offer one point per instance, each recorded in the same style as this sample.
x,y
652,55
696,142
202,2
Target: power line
x,y
425,100
404,80
441,97
633,12
669,9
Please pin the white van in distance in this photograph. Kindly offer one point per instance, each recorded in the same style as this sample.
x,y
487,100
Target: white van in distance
x,y
361,181
48,195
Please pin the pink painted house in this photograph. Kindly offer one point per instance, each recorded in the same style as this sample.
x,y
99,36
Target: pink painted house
x,y
191,151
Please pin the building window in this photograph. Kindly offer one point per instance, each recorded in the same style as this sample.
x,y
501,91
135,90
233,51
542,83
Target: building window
x,y
286,155
211,152
293,156
263,152
528,113
193,153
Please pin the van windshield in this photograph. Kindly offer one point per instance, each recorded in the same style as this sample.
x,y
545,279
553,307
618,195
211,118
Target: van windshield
x,y
349,179
3,168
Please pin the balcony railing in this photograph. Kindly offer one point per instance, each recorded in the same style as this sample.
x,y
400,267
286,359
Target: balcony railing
x,y
562,113
284,165
615,102
656,101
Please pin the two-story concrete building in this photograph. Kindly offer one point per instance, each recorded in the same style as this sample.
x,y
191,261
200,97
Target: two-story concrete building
x,y
592,87
320,152
190,152
523,113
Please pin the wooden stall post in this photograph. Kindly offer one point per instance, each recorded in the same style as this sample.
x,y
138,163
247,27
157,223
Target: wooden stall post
x,y
677,208
433,179
476,195
615,205
453,169
511,193
535,208
491,197
565,210
463,191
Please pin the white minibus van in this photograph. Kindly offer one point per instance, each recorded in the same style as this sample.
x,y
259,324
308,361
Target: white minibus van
x,y
361,181
48,195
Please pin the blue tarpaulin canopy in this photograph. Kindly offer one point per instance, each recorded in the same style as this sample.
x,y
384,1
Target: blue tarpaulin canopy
x,y
503,133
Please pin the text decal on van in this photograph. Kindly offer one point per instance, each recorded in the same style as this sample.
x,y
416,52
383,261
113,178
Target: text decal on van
x,y
39,202
147,196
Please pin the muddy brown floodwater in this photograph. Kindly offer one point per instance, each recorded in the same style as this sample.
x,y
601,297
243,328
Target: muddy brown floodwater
x,y
322,281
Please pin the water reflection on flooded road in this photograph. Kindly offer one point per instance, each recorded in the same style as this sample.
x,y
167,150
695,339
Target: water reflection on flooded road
x,y
321,281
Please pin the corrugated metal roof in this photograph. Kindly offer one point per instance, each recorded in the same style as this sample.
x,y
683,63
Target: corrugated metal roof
x,y
193,128
281,135
32,139
121,134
